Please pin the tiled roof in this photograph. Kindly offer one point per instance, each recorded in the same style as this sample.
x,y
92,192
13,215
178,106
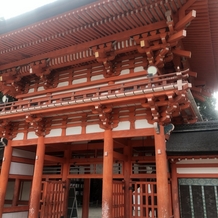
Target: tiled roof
x,y
199,138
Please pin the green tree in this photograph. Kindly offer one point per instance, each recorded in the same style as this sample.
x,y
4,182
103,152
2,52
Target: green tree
x,y
207,109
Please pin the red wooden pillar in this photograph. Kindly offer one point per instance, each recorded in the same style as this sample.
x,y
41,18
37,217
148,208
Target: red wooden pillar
x,y
162,174
6,163
16,192
107,193
65,173
127,173
86,195
175,195
37,179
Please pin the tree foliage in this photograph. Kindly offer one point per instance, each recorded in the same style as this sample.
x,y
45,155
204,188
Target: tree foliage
x,y
207,109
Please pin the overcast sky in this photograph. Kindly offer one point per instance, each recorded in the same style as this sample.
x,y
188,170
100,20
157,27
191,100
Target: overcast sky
x,y
13,8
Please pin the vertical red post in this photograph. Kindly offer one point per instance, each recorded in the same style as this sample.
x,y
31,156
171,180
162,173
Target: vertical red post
x,y
6,163
65,173
175,195
16,192
37,179
86,195
161,174
127,173
107,193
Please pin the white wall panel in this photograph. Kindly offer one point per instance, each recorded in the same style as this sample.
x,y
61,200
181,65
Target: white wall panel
x,y
62,84
19,136
31,135
125,125
140,124
98,77
78,81
198,161
76,130
54,132
23,214
93,128
198,170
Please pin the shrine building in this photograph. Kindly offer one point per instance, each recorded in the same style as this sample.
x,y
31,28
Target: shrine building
x,y
101,95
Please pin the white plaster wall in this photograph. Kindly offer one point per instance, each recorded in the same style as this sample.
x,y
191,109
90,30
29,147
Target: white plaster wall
x,y
19,136
197,170
54,132
62,84
15,215
31,135
141,124
41,88
198,161
77,81
76,130
21,153
123,72
93,128
98,77
31,90
125,125
21,169
138,69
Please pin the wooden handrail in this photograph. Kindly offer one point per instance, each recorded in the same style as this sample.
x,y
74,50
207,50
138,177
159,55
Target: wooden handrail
x,y
122,89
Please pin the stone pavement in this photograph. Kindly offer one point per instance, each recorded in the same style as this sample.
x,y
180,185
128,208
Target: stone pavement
x,y
94,212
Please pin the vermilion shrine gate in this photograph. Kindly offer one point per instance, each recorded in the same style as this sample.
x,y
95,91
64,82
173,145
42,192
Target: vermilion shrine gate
x,y
97,88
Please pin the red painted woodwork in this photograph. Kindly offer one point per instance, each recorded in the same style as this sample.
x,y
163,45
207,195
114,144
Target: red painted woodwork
x,y
88,67
37,179
52,202
161,173
175,194
127,173
86,197
107,189
118,199
143,198
6,163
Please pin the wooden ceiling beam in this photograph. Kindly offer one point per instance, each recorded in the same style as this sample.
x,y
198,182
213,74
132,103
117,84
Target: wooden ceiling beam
x,y
54,159
118,156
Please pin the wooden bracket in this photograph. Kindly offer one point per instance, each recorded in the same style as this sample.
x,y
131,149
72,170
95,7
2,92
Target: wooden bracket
x,y
105,54
41,126
106,116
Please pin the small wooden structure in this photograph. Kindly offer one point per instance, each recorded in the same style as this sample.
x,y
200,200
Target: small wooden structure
x,y
97,84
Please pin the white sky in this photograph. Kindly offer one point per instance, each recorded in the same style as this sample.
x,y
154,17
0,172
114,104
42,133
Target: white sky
x,y
12,8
